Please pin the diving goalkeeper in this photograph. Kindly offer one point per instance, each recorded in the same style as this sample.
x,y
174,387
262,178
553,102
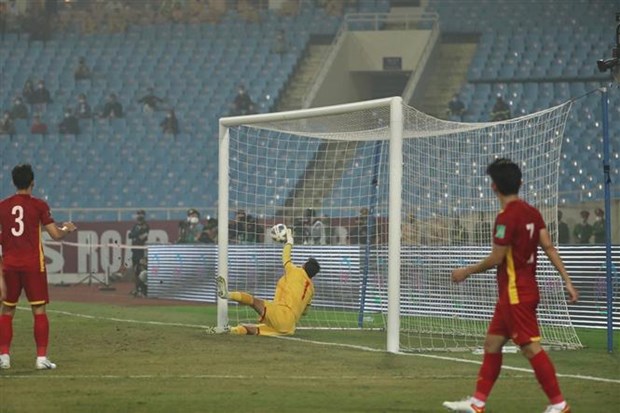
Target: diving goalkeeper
x,y
294,293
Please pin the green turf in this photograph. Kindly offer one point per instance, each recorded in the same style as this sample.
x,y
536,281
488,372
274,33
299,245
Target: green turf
x,y
115,366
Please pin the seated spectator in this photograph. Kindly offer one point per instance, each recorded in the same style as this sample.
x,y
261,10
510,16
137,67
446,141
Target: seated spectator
x,y
197,11
456,108
170,125
289,8
41,97
177,15
19,109
242,105
82,71
82,109
38,127
209,233
248,11
69,124
150,101
500,111
190,229
112,108
28,92
7,126
279,43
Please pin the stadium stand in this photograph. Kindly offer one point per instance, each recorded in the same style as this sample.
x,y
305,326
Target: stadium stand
x,y
197,68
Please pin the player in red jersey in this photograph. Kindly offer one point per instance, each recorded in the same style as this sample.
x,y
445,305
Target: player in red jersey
x,y
519,231
23,266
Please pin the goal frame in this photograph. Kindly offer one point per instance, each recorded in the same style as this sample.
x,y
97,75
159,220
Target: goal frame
x,y
395,157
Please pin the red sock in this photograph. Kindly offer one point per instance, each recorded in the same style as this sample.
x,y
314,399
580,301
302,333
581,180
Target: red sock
x,y
41,333
488,374
6,333
545,374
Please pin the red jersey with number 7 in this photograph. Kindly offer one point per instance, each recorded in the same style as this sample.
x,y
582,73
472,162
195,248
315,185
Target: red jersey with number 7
x,y
518,227
21,218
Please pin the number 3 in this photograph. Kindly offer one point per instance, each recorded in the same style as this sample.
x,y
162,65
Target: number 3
x,y
18,212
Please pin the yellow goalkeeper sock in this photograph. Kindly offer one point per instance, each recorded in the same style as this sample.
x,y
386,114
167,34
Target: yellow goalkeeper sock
x,y
239,330
243,298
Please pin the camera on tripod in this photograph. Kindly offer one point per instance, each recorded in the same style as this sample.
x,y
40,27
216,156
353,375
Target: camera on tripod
x,y
612,64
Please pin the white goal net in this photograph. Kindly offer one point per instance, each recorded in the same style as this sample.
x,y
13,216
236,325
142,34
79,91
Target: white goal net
x,y
389,200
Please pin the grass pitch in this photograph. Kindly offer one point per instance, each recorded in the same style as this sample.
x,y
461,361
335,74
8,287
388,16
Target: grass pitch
x,y
157,359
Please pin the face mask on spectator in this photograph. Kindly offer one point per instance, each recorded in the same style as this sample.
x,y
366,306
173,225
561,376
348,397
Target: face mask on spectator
x,y
192,220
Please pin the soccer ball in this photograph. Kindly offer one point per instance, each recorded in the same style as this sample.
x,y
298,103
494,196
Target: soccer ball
x,y
278,233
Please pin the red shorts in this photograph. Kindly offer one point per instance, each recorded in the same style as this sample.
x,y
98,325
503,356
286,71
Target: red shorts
x,y
516,321
33,282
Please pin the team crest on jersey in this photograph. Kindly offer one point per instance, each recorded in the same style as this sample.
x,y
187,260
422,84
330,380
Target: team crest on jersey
x,y
500,231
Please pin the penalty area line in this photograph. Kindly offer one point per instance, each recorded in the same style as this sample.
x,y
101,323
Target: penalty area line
x,y
446,358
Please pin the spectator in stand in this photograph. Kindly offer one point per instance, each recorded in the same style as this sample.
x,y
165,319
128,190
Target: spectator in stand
x,y
242,104
41,97
19,109
238,231
563,231
209,233
178,14
248,11
458,233
197,11
150,101
500,111
482,230
279,43
138,235
69,124
318,231
598,228
456,108
190,229
28,92
82,71
583,230
362,230
7,126
82,109
289,8
410,232
38,127
112,108
170,124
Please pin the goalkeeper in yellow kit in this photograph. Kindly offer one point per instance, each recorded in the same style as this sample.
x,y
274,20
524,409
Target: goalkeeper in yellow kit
x,y
294,293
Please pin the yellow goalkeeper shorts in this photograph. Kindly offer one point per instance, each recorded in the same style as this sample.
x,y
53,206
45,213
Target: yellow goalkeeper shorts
x,y
277,320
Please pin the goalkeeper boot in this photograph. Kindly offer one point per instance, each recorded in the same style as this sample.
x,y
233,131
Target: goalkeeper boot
x,y
463,406
554,409
43,363
222,289
5,361
217,330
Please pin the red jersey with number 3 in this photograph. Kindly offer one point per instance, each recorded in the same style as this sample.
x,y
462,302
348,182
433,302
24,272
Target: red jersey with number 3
x,y
21,218
518,227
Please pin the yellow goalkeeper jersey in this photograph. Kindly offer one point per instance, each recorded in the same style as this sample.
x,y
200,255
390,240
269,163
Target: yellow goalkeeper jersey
x,y
295,289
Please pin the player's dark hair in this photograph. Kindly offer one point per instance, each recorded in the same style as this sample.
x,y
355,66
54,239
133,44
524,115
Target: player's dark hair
x,y
23,176
312,267
506,176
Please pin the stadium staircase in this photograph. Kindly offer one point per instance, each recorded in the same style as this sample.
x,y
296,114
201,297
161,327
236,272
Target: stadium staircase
x,y
301,80
448,76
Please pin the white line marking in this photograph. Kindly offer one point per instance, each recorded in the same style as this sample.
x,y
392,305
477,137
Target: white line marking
x,y
352,346
446,358
236,377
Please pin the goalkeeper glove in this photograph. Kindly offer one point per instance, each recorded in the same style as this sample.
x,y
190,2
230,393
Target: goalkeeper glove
x,y
289,236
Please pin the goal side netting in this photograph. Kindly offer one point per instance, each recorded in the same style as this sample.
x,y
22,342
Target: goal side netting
x,y
388,200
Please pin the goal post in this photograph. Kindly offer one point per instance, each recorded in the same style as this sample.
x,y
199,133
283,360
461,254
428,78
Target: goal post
x,y
389,200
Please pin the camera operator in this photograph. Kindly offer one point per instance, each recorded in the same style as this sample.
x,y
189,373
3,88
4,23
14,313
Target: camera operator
x,y
190,229
138,235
